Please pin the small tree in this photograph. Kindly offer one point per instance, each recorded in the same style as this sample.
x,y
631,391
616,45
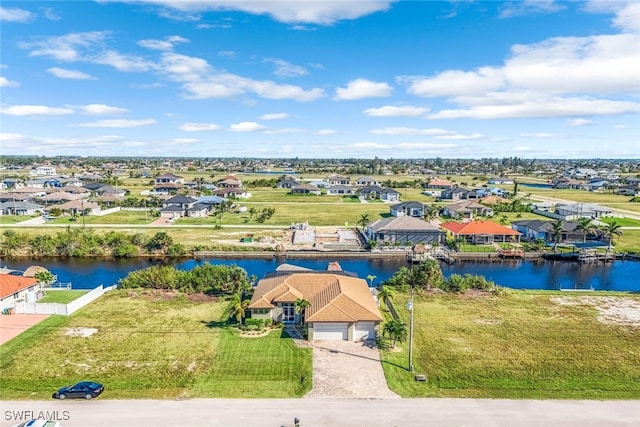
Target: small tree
x,y
300,306
371,278
237,307
586,226
385,295
396,330
44,277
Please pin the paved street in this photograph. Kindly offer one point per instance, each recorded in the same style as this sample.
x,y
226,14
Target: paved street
x,y
331,412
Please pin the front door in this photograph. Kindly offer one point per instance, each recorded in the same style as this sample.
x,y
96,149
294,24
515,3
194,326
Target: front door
x,y
288,313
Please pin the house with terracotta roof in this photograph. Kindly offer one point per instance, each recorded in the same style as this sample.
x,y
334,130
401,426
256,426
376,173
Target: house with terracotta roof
x,y
14,288
440,183
341,307
481,232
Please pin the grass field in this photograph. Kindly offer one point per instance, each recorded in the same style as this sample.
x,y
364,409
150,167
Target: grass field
x,y
519,345
152,346
61,297
12,219
623,222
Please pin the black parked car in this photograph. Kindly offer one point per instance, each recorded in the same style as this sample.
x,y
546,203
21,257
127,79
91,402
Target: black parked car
x,y
84,390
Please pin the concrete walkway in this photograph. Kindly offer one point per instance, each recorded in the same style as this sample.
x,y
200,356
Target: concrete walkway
x,y
13,325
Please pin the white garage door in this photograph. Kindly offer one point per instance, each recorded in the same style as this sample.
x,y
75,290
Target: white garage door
x,y
364,331
330,331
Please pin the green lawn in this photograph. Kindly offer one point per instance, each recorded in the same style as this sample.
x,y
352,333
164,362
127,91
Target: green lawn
x,y
623,222
519,345
12,219
61,296
152,346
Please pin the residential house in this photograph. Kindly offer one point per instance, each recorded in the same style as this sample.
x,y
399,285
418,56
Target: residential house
x,y
177,206
59,197
232,193
43,170
415,209
500,180
305,189
19,208
229,181
365,181
440,183
77,207
467,209
165,189
630,190
339,180
582,210
405,230
390,195
481,232
458,193
534,229
370,192
287,183
168,178
340,190
341,306
14,288
565,183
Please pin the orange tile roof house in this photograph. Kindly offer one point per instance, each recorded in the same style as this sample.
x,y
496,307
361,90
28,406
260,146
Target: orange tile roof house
x,y
341,306
13,288
481,232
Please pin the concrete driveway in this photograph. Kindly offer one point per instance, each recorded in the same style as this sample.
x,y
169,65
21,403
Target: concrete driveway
x,y
15,324
343,369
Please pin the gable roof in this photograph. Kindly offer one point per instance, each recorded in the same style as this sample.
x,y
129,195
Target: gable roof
x,y
10,284
405,223
478,227
333,297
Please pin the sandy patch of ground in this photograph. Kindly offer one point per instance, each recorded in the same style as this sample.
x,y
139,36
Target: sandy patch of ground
x,y
613,310
80,332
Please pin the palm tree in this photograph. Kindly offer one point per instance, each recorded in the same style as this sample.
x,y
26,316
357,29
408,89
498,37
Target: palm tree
x,y
395,330
237,307
611,229
385,295
585,225
252,212
504,220
300,306
557,228
363,221
371,278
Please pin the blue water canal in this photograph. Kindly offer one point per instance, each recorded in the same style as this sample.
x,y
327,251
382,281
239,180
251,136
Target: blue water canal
x,y
616,276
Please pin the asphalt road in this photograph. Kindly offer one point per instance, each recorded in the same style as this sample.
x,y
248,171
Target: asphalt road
x,y
329,412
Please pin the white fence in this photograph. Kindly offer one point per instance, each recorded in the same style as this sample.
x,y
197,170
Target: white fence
x,y
109,211
63,309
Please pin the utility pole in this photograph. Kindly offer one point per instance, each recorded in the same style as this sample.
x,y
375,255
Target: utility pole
x,y
410,307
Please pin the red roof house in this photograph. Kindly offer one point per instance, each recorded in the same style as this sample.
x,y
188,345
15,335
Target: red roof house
x,y
481,232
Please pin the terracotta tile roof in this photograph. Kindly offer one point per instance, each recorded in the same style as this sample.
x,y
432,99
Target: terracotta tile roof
x,y
479,227
333,297
10,284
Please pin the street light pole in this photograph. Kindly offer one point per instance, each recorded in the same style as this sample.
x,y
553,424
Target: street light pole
x,y
411,332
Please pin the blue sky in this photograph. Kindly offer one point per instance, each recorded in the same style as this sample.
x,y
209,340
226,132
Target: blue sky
x,y
330,79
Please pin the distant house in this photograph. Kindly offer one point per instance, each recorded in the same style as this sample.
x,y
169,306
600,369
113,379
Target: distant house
x,y
457,193
565,183
167,188
77,207
340,190
168,178
19,208
405,230
305,189
582,210
415,209
534,229
390,195
467,209
60,196
440,183
370,192
232,193
229,181
500,181
630,190
339,180
43,170
287,183
341,307
180,205
14,288
365,181
481,232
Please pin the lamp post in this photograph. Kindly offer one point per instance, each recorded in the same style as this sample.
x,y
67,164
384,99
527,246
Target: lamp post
x,y
410,308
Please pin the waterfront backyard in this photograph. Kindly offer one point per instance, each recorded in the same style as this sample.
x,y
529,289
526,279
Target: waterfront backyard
x,y
519,344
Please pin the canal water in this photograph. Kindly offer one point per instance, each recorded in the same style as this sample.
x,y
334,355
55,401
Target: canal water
x,y
615,276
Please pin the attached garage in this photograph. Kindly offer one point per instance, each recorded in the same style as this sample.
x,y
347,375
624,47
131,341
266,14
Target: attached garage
x,y
364,331
330,331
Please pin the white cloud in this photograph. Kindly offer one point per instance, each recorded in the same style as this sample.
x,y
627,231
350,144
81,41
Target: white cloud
x,y
4,82
282,130
529,7
324,132
363,88
302,11
167,44
409,131
15,14
580,122
455,82
394,111
123,62
185,141
101,109
370,145
117,123
34,110
538,135
247,127
274,116
286,69
459,136
200,127
69,74
50,14
521,148
627,13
